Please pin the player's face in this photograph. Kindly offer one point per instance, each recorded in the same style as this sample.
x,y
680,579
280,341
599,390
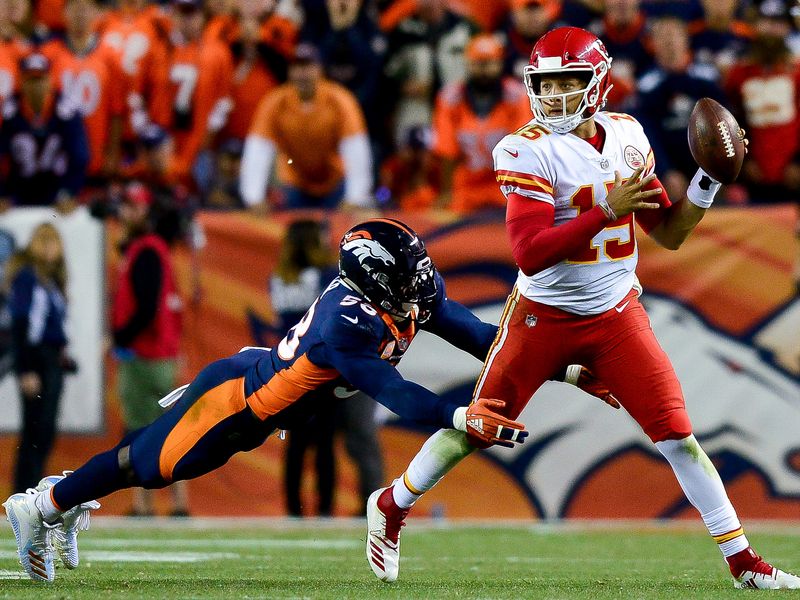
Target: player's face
x,y
255,9
621,11
12,13
484,71
772,28
671,44
189,22
719,11
132,214
561,83
35,89
218,7
304,76
46,245
79,16
531,20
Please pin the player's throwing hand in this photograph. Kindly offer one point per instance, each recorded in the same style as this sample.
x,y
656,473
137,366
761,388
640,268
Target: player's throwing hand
x,y
631,195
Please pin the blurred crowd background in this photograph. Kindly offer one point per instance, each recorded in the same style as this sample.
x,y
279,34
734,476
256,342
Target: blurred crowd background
x,y
272,104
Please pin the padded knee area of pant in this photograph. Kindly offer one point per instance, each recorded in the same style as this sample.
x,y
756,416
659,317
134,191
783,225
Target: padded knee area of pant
x,y
671,425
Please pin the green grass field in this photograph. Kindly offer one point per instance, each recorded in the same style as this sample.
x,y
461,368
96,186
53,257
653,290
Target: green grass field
x,y
281,559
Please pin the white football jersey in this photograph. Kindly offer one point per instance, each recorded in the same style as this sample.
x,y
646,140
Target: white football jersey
x,y
570,174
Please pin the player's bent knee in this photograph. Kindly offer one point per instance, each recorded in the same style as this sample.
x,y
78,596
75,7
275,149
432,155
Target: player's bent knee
x,y
140,472
674,425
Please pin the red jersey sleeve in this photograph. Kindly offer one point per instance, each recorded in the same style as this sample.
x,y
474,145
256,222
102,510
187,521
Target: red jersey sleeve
x,y
649,219
537,243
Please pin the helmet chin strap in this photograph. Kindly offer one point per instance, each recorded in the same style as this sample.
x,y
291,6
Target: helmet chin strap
x,y
413,309
351,285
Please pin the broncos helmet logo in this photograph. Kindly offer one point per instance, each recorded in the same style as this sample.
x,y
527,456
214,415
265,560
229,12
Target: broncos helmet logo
x,y
364,248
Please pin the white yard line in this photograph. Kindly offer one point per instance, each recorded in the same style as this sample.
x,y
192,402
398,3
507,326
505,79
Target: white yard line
x,y
246,543
136,556
4,574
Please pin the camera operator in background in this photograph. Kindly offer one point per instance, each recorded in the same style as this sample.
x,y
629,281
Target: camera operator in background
x,y
146,321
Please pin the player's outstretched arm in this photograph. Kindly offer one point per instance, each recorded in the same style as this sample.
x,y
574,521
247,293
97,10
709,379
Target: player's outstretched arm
x,y
456,324
381,381
683,216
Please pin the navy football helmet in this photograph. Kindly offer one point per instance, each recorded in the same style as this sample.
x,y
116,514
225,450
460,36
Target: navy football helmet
x,y
386,261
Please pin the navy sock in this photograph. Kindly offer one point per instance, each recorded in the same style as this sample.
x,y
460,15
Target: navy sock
x,y
99,477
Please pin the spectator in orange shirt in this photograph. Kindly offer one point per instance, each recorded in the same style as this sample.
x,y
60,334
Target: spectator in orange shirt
x,y
317,131
88,75
263,42
137,33
49,15
13,45
469,119
198,74
220,19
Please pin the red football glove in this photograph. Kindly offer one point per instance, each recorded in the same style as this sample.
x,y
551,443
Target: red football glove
x,y
584,379
486,427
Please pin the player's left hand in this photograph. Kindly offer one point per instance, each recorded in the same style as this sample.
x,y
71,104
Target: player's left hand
x,y
583,378
486,427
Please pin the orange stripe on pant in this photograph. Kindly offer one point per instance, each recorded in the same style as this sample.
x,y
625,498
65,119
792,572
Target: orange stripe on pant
x,y
213,407
287,386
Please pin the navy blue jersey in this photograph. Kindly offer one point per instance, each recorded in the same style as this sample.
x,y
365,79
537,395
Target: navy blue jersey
x,y
38,311
47,155
666,101
342,344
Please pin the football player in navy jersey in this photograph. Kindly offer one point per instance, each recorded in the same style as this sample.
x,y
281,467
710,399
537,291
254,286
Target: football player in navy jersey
x,y
352,336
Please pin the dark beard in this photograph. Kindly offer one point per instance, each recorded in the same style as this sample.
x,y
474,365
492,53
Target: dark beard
x,y
769,50
483,94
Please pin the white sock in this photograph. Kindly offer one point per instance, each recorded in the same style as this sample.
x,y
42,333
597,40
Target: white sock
x,y
703,487
43,501
440,453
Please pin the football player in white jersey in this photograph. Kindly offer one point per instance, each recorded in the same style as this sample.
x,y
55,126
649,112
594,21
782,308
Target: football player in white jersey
x,y
574,177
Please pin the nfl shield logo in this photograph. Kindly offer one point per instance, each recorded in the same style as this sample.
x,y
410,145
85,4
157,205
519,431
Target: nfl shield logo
x,y
530,320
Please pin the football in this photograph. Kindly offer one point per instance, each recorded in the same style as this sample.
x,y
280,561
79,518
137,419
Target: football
x,y
716,140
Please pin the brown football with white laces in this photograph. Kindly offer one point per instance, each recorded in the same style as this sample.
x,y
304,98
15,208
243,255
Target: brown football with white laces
x,y
716,140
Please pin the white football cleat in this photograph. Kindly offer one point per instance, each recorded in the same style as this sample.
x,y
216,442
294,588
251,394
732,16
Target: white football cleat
x,y
64,533
31,533
384,520
755,573
774,580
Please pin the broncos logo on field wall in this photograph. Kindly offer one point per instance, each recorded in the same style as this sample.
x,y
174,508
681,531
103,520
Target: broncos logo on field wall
x,y
365,248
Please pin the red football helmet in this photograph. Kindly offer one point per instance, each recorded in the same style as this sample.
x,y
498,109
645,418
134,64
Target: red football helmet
x,y
569,50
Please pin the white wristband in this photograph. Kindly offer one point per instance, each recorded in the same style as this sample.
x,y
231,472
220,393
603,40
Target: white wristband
x,y
460,418
573,374
702,189
607,210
